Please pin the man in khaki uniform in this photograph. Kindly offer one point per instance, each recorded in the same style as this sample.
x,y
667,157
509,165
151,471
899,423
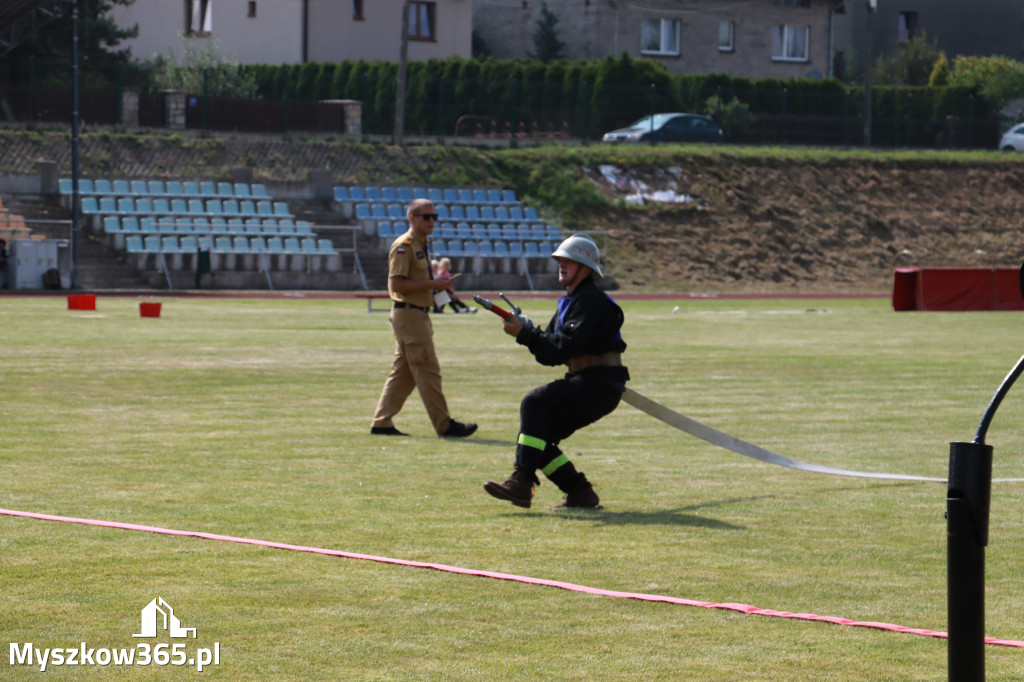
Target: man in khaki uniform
x,y
411,286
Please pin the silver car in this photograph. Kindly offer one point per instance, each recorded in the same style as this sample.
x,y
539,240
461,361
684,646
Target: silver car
x,y
1013,139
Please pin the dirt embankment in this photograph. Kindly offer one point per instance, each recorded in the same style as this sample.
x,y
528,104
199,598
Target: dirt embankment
x,y
808,227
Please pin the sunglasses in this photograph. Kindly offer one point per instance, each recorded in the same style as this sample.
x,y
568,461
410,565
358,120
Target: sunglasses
x,y
426,216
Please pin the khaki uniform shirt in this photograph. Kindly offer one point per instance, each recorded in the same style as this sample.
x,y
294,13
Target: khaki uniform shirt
x,y
409,258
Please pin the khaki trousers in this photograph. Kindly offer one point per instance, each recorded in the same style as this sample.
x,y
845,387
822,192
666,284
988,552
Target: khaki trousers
x,y
415,366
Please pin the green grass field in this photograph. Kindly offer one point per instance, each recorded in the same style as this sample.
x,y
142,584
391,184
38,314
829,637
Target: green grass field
x,y
251,418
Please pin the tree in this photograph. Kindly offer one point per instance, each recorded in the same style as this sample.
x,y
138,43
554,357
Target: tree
x,y
203,71
546,45
98,41
911,64
941,73
999,79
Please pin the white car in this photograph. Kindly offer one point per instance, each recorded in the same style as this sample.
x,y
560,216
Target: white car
x,y
1013,139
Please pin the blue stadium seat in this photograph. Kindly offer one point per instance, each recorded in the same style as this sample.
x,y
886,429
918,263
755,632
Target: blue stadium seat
x,y
404,195
133,244
207,189
259,191
243,190
66,185
156,188
480,196
435,196
139,188
473,214
388,194
373,194
103,187
173,188
111,224
190,188
121,188
226,190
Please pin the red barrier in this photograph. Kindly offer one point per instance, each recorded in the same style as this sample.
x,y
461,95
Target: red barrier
x,y
82,302
960,289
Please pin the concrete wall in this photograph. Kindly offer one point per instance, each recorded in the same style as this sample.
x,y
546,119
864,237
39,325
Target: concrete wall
x,y
275,35
594,29
979,27
334,35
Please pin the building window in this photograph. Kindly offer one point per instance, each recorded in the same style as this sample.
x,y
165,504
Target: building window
x,y
421,20
726,36
198,21
357,10
252,9
907,29
789,43
659,36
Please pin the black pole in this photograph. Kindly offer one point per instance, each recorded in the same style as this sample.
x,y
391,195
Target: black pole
x,y
967,510
75,214
967,514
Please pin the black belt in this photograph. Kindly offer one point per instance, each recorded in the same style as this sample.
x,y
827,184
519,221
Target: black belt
x,y
403,304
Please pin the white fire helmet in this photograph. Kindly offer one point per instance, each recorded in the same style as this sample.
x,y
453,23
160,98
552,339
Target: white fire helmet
x,y
583,249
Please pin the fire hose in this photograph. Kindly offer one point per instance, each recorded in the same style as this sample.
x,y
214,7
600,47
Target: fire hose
x,y
720,439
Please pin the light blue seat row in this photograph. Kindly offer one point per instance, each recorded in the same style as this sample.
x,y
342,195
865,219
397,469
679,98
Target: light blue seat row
x,y
158,188
386,194
239,245
491,249
199,225
109,205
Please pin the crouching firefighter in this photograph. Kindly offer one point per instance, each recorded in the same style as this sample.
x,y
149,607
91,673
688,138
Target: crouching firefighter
x,y
584,334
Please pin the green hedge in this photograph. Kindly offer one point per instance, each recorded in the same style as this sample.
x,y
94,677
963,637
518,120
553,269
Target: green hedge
x,y
589,97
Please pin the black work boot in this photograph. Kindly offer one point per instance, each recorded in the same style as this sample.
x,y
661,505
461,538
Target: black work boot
x,y
580,495
458,429
518,489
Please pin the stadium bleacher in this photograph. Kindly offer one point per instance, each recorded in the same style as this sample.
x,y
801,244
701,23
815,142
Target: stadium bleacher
x,y
178,218
484,223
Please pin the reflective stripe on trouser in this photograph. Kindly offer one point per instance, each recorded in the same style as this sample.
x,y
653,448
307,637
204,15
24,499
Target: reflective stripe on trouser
x,y
415,365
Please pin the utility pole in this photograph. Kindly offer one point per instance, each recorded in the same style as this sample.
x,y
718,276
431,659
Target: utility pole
x,y
75,213
871,9
403,59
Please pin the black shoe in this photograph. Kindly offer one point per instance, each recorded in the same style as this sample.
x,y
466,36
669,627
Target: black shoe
x,y
386,431
581,496
459,430
518,489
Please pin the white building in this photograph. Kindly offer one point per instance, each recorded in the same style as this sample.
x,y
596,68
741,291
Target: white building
x,y
296,31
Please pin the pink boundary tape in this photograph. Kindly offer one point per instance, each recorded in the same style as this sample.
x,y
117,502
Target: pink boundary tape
x,y
742,608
